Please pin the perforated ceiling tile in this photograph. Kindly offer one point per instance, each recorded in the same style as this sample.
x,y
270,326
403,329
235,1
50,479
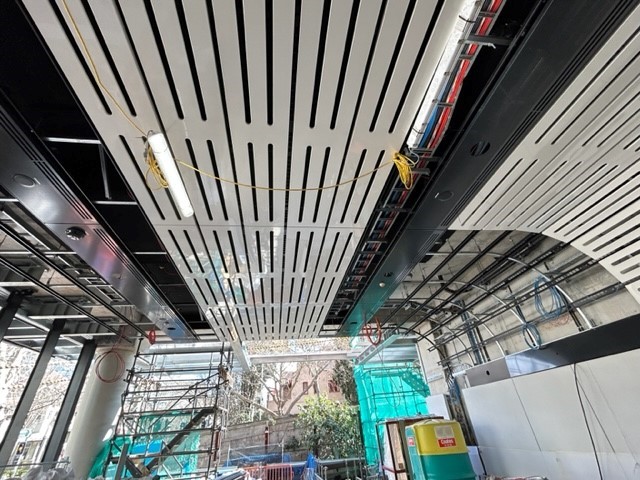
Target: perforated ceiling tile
x,y
576,176
275,93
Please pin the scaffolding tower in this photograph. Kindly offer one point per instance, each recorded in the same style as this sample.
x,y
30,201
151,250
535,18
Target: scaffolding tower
x,y
173,415
388,390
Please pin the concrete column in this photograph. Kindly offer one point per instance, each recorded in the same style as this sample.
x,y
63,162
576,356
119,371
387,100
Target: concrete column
x,y
97,409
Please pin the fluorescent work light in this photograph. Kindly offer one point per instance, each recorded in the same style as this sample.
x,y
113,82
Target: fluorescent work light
x,y
167,164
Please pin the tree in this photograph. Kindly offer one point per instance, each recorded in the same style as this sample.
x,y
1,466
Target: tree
x,y
279,381
244,402
16,364
329,428
343,375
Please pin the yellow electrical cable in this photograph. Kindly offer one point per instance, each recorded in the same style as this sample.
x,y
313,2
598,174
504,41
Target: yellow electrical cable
x,y
405,169
94,70
276,189
154,169
403,163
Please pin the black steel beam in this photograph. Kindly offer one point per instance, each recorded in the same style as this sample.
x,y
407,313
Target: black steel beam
x,y
426,280
609,339
8,312
561,38
68,407
29,393
49,198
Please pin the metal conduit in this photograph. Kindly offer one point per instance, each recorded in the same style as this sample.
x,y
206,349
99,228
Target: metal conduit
x,y
553,283
569,301
525,242
515,260
486,275
503,283
466,267
488,271
418,306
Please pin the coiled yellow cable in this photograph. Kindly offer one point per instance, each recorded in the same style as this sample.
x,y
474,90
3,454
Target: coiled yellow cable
x,y
405,169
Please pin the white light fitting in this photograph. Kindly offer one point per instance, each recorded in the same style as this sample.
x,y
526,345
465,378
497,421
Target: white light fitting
x,y
167,164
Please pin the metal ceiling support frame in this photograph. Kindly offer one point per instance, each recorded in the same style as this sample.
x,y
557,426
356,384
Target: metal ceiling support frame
x,y
28,176
429,277
537,270
7,264
462,309
507,280
490,270
28,394
602,293
567,298
486,274
417,305
587,321
553,282
470,264
559,278
588,26
14,301
68,407
50,263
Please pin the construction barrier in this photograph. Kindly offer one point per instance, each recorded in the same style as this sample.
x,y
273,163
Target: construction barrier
x,y
280,471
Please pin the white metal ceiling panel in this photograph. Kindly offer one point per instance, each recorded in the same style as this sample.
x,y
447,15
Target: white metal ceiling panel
x,y
278,94
576,176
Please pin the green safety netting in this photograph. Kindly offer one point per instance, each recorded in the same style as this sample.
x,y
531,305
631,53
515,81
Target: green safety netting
x,y
387,390
152,440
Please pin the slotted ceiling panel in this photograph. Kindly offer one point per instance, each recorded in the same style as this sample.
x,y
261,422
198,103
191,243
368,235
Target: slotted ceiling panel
x,y
576,177
275,93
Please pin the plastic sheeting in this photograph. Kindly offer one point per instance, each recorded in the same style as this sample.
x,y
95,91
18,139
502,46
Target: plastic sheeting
x,y
150,443
387,390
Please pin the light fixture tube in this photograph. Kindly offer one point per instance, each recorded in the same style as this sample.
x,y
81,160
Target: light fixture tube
x,y
166,162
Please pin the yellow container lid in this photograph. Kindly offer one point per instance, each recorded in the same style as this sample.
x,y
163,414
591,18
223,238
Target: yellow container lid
x,y
438,437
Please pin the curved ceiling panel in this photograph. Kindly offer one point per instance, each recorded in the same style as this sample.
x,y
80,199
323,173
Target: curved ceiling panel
x,y
575,177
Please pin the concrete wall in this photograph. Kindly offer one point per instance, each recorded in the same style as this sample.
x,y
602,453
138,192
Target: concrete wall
x,y
246,435
534,425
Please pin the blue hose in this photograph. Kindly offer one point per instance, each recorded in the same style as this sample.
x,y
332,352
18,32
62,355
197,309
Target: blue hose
x,y
557,301
531,336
